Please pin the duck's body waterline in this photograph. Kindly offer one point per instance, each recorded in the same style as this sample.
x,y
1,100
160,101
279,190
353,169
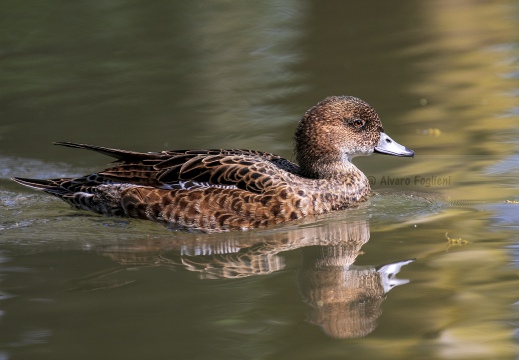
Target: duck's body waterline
x,y
222,190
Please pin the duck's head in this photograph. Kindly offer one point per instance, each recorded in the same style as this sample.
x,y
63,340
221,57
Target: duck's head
x,y
337,129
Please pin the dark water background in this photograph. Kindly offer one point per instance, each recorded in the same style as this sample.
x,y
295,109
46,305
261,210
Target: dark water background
x,y
444,77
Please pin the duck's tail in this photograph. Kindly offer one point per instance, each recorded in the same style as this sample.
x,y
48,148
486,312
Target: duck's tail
x,y
82,196
51,186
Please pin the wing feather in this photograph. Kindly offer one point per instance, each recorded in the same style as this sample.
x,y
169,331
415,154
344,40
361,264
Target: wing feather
x,y
186,169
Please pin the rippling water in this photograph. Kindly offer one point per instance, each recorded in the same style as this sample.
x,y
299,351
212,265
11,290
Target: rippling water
x,y
427,269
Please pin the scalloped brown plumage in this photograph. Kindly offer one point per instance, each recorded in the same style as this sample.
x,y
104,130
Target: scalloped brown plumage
x,y
222,190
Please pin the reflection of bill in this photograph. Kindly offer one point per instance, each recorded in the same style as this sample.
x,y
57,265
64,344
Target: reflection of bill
x,y
345,300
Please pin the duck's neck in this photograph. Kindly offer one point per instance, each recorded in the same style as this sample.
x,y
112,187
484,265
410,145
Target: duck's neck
x,y
332,170
343,179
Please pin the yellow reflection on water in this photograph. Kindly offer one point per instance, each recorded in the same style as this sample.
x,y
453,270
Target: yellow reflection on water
x,y
465,122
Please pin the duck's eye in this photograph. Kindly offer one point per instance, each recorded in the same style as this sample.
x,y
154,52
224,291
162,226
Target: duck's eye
x,y
358,123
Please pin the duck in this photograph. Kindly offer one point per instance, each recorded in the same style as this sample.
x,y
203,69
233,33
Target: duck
x,y
220,190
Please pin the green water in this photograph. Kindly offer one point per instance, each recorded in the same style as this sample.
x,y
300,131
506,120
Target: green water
x,y
427,269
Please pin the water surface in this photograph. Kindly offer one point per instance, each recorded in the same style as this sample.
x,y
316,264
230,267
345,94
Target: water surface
x,y
427,269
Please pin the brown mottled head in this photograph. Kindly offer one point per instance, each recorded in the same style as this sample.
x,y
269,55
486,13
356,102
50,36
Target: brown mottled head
x,y
337,129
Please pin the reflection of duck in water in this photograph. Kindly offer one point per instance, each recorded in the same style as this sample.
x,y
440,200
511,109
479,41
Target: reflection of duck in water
x,y
345,300
221,190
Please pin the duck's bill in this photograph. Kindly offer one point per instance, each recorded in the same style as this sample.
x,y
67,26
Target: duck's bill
x,y
388,146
